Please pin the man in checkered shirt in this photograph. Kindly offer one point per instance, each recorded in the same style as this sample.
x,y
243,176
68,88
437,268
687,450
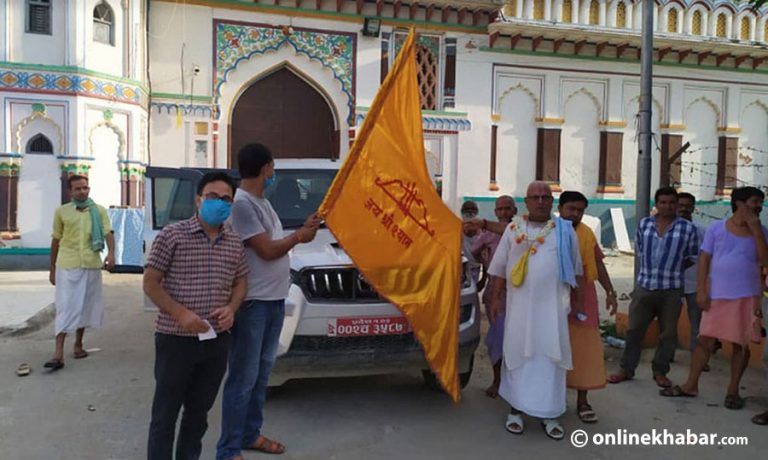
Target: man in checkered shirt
x,y
666,245
196,275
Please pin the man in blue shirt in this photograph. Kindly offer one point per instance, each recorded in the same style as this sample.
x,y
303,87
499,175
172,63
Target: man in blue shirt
x,y
666,244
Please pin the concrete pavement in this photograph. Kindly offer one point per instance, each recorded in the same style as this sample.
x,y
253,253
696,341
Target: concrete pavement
x,y
98,408
26,301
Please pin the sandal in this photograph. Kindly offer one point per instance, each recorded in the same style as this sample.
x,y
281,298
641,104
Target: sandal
x,y
734,402
676,392
23,370
586,414
760,419
618,377
80,354
514,424
54,364
553,429
267,446
662,381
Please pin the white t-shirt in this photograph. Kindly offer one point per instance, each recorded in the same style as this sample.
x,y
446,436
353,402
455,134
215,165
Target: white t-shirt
x,y
251,216
691,272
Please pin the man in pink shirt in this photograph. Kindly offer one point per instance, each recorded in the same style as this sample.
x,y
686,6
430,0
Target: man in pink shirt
x,y
483,249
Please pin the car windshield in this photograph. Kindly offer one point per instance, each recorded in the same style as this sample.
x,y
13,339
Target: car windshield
x,y
297,193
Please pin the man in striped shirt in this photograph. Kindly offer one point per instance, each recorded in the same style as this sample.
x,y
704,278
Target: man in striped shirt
x,y
666,245
196,275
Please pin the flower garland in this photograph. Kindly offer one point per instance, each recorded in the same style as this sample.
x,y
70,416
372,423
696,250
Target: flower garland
x,y
518,226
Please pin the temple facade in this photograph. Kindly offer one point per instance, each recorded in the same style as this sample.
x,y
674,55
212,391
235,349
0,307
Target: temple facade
x,y
510,92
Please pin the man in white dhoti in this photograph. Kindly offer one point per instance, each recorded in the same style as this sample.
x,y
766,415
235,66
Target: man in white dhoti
x,y
81,229
538,260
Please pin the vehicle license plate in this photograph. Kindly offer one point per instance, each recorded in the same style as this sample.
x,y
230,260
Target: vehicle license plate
x,y
356,327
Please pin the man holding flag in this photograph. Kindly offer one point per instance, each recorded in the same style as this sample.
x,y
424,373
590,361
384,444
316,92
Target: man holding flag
x,y
384,211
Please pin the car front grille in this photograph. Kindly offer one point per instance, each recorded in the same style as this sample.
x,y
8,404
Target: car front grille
x,y
344,284
378,343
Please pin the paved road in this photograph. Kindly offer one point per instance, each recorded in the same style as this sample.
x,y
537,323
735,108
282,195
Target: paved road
x,y
47,416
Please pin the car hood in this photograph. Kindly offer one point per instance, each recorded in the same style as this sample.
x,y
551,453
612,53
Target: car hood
x,y
324,250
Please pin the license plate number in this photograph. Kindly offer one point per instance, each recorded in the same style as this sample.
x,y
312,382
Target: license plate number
x,y
356,327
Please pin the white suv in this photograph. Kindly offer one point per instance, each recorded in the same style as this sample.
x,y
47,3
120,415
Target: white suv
x,y
335,324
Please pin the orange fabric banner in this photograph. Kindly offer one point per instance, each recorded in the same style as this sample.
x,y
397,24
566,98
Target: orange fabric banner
x,y
383,209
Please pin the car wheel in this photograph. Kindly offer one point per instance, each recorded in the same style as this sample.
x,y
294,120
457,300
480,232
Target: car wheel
x,y
431,381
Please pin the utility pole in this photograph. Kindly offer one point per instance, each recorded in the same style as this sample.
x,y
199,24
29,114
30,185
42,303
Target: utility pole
x,y
643,189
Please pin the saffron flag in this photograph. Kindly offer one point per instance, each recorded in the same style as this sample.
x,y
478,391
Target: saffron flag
x,y
383,209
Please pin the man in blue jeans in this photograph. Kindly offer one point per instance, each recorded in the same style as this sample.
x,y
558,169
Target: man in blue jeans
x,y
260,319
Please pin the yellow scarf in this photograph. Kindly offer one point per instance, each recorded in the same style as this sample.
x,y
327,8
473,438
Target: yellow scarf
x,y
587,243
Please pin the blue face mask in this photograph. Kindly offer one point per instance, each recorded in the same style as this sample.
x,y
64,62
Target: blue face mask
x,y
270,181
215,212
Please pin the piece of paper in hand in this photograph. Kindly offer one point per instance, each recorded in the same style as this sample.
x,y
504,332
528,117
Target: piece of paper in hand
x,y
209,334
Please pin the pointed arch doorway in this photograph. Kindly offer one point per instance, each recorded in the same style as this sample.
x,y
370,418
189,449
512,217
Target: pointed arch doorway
x,y
288,115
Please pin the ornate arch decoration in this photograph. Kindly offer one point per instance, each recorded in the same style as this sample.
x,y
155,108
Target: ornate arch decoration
x,y
38,113
613,12
524,89
717,11
656,103
679,16
239,42
752,27
701,4
716,5
756,102
709,102
107,122
591,96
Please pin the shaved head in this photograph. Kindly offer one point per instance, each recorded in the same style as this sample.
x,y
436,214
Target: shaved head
x,y
538,187
505,208
538,200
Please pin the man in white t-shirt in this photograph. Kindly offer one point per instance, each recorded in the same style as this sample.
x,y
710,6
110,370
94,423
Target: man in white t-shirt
x,y
259,320
686,204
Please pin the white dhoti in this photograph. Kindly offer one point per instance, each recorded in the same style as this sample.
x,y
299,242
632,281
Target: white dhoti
x,y
78,299
537,351
536,388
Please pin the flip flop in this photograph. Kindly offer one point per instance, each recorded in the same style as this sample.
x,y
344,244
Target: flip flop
x,y
553,429
266,446
512,420
734,402
760,419
662,381
80,354
676,392
23,370
618,378
586,414
54,364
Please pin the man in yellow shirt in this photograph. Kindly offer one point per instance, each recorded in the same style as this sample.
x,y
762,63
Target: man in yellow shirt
x,y
81,229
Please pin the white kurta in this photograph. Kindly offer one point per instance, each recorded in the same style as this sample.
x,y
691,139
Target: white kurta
x,y
537,350
78,299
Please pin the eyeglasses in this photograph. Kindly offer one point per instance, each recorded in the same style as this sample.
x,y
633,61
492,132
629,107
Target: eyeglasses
x,y
544,198
215,196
